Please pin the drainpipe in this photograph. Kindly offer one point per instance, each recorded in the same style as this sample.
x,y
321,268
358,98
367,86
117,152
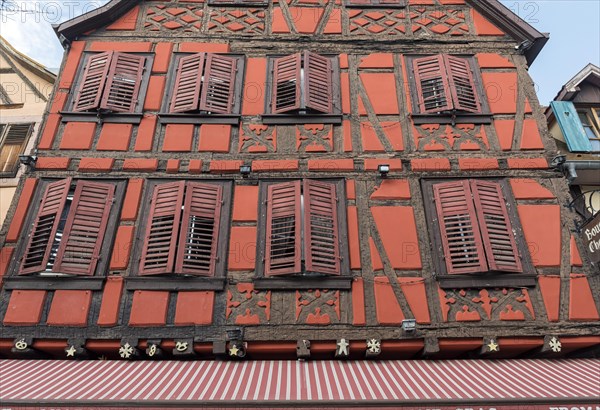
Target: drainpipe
x,y
573,166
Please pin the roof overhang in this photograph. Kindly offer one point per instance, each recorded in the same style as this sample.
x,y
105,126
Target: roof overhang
x,y
569,91
282,383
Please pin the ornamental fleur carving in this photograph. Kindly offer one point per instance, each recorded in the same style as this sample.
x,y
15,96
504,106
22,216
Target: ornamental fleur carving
x,y
461,137
486,304
247,306
258,138
318,307
314,138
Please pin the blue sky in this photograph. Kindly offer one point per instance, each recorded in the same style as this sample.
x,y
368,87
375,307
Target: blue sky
x,y
574,27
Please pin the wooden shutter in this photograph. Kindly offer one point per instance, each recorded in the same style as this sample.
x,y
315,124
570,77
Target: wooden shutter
x,y
462,85
37,252
459,230
283,253
92,83
318,86
433,88
197,251
494,222
83,234
321,231
186,93
219,82
286,83
158,252
123,84
12,145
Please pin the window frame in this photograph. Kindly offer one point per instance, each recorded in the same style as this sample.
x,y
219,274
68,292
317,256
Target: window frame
x,y
16,280
454,117
526,278
335,117
593,123
135,117
301,281
4,130
175,281
167,117
376,4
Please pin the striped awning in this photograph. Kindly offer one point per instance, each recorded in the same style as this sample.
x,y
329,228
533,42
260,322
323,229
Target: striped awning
x,y
276,383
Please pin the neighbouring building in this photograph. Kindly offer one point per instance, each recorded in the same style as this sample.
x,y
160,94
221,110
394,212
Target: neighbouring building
x,y
25,87
243,184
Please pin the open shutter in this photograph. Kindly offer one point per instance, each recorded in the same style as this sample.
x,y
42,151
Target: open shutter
x,y
457,219
433,89
286,83
12,145
186,93
318,85
44,229
496,229
197,251
158,252
321,231
219,81
571,126
92,83
124,80
462,85
283,251
84,231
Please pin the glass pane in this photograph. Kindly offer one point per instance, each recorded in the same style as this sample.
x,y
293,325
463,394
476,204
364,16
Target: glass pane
x,y
595,145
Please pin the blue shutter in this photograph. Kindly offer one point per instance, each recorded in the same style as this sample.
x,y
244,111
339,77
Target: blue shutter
x,y
571,126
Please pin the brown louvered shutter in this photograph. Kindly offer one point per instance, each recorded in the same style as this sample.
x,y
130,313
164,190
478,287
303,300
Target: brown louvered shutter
x,y
92,83
286,83
318,86
124,81
433,88
457,219
321,231
37,252
496,229
186,93
81,242
197,251
158,252
462,84
12,145
283,253
219,81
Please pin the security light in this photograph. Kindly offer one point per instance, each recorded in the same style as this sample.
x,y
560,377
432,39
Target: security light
x,y
409,325
28,160
245,170
383,169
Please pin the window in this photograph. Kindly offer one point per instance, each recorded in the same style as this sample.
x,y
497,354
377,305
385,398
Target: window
x,y
303,85
591,127
376,3
302,226
184,234
446,86
70,228
475,235
111,82
13,138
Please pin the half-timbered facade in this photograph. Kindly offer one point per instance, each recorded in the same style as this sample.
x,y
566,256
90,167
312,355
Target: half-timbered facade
x,y
312,179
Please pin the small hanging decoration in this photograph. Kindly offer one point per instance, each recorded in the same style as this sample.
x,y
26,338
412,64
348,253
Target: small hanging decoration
x,y
343,348
126,351
555,344
373,347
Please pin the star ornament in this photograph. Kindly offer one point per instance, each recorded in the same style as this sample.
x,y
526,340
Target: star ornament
x,y
374,346
493,346
233,351
555,345
126,351
71,351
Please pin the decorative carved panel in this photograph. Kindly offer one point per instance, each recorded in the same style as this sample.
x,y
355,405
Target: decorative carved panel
x,y
486,304
436,137
237,21
161,17
246,306
438,21
384,22
318,307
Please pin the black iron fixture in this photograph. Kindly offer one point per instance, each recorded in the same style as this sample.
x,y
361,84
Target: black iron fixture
x,y
245,170
383,170
28,160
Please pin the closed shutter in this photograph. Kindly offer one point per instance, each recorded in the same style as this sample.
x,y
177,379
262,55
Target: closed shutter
x,y
433,89
321,236
459,229
186,93
158,252
286,83
462,84
219,82
123,84
283,253
318,85
83,234
44,229
197,252
92,83
496,230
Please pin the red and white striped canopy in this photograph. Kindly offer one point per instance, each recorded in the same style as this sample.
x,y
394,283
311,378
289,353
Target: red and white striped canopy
x,y
272,383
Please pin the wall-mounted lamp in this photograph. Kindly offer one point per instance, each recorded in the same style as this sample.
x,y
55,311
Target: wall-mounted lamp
x,y
409,325
28,160
245,170
383,170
